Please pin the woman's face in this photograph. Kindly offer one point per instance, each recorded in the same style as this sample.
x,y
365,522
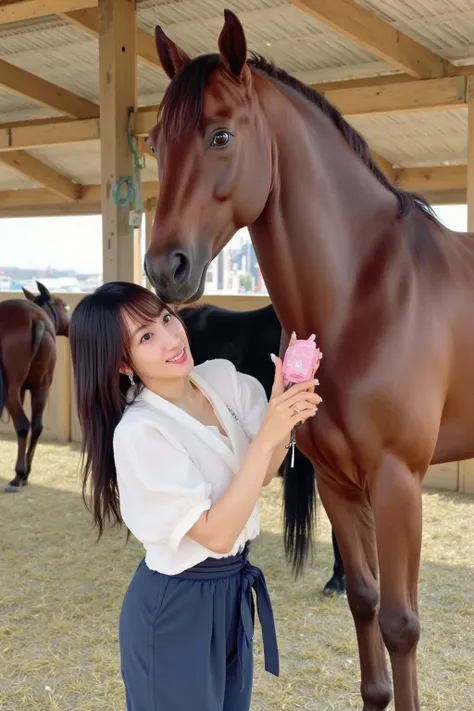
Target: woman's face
x,y
159,349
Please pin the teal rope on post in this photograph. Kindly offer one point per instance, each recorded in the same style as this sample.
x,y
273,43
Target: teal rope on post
x,y
127,191
129,197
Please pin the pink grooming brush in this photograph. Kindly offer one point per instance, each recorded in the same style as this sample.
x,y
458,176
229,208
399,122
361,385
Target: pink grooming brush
x,y
300,363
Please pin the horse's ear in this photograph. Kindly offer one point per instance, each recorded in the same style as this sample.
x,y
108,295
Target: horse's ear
x,y
233,45
28,294
172,58
43,291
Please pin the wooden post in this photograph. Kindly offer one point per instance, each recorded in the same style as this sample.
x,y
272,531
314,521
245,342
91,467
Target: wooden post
x,y
470,157
466,467
118,97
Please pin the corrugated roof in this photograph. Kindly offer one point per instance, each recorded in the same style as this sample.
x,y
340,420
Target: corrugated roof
x,y
59,52
424,139
445,26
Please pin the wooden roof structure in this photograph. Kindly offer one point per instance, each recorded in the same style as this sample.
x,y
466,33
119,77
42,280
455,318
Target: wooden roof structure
x,y
70,70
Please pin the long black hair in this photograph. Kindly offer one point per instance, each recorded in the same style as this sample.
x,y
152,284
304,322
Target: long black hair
x,y
100,346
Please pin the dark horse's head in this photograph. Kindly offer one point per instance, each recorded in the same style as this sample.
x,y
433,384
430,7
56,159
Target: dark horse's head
x,y
214,161
55,307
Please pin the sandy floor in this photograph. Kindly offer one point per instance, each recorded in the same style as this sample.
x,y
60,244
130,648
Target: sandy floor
x,y
60,596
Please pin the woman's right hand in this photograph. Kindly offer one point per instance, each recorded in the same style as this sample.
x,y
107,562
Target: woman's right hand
x,y
286,409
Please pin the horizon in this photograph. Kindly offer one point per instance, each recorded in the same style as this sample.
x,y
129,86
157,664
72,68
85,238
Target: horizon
x,y
39,243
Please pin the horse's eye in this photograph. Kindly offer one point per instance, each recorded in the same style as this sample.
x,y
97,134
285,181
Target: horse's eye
x,y
221,139
148,140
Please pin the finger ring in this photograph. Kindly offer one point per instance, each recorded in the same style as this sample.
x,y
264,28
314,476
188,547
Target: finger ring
x,y
297,412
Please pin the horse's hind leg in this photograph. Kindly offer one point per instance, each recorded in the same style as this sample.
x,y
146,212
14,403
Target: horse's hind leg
x,y
21,423
39,396
354,528
337,584
397,506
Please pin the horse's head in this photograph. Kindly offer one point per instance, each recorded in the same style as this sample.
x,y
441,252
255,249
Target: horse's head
x,y
55,307
214,161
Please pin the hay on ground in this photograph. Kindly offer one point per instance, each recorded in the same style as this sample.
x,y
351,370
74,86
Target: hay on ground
x,y
60,596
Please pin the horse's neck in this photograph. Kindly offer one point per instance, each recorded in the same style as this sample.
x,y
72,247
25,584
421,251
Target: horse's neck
x,y
323,218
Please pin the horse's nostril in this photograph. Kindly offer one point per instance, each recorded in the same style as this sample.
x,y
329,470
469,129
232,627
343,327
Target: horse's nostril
x,y
179,267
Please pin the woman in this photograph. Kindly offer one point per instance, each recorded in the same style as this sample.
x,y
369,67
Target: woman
x,y
179,454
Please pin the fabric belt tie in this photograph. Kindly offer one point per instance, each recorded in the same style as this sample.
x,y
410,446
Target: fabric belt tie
x,y
252,579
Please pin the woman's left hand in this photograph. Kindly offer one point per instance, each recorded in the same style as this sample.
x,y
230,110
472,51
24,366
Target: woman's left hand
x,y
279,383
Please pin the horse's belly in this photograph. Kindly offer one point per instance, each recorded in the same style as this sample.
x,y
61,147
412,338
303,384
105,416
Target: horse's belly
x,y
456,432
456,438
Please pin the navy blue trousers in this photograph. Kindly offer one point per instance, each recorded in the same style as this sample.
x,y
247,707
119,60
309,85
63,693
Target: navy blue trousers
x,y
186,641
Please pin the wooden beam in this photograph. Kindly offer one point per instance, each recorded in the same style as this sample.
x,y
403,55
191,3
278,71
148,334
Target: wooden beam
x,y
384,165
150,190
429,180
365,82
31,197
88,20
32,168
426,95
90,195
470,159
49,132
118,96
446,197
385,80
44,92
368,30
60,209
32,9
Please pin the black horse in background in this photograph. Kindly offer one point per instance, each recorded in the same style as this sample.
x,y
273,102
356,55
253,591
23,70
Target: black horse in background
x,y
247,338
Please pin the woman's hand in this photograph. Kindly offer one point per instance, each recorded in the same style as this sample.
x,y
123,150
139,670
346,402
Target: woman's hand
x,y
286,409
278,382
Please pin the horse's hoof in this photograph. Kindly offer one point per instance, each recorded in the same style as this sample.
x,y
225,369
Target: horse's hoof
x,y
24,482
336,587
12,488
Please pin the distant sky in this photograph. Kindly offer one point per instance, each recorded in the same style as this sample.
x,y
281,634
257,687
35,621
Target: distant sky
x,y
75,242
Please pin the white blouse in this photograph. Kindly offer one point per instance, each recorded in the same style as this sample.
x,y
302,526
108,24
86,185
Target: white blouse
x,y
171,467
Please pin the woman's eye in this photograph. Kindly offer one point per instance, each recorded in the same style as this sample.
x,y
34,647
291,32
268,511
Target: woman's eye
x,y
221,139
145,337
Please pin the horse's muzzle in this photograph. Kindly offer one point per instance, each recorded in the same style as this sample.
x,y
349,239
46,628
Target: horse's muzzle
x,y
175,276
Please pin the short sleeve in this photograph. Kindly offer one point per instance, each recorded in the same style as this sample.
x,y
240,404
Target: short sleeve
x,y
162,494
253,402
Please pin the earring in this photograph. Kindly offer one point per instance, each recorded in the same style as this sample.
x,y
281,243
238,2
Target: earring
x,y
132,382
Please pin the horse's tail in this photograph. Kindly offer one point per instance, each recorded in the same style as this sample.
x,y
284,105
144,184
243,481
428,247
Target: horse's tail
x,y
37,332
3,389
299,505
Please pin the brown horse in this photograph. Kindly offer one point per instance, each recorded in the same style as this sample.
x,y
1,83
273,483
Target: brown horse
x,y
387,289
28,331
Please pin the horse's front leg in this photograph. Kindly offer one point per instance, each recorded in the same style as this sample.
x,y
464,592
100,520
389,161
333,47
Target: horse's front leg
x,y
396,497
353,524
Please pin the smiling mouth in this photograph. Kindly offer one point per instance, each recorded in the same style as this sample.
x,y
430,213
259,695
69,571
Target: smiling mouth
x,y
178,358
